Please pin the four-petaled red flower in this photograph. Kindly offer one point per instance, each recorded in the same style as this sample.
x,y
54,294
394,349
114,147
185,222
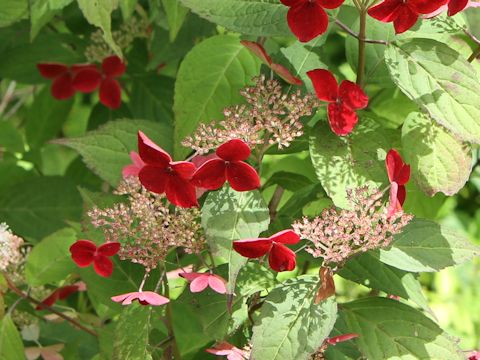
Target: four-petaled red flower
x,y
200,281
143,297
61,294
85,252
280,257
307,18
403,13
398,175
161,174
63,77
343,99
279,69
229,166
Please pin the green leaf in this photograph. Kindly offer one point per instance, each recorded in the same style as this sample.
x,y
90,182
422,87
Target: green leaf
x,y
127,7
39,206
11,173
10,138
175,16
97,13
288,180
132,333
228,215
11,345
441,82
209,79
12,11
49,262
425,246
343,163
42,11
291,326
45,118
106,150
367,270
250,17
440,162
389,329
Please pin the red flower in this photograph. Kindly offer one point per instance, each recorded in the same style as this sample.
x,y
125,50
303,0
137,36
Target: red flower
x,y
229,167
61,294
134,168
280,257
344,100
403,13
90,79
341,338
85,252
398,174
63,78
280,70
307,18
163,175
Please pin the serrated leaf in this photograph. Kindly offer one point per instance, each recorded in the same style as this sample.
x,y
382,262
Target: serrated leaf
x,y
250,17
98,12
343,163
370,272
11,345
425,246
291,326
389,329
39,206
12,11
131,336
440,162
49,262
42,11
175,16
228,215
106,150
441,82
209,79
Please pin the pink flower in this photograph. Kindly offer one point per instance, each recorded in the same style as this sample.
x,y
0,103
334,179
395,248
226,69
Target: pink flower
x,y
474,355
200,281
228,350
143,297
134,168
341,338
51,352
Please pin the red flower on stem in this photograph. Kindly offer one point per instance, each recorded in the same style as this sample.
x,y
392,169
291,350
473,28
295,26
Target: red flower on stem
x,y
229,166
343,100
398,175
280,257
162,175
307,18
85,252
61,294
403,13
280,70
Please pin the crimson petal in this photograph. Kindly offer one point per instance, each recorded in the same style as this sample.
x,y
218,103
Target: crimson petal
x,y
113,66
151,153
252,248
110,93
184,169
325,84
352,95
330,4
211,175
286,75
153,178
234,150
455,6
109,248
425,6
242,177
285,237
282,258
181,192
87,80
103,266
83,252
307,20
62,87
386,11
258,50
342,119
405,20
51,70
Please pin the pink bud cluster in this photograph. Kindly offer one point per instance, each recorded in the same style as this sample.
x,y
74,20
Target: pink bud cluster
x,y
269,117
337,234
10,249
145,226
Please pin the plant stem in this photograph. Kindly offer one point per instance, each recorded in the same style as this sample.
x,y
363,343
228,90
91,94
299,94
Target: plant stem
x,y
361,47
169,322
356,36
474,55
25,296
275,201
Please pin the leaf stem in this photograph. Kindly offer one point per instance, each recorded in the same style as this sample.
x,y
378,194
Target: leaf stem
x,y
474,55
361,47
356,36
275,201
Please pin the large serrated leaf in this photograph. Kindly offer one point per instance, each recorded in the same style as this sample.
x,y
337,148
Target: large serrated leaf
x,y
425,246
389,329
291,326
210,79
106,150
11,346
440,162
440,81
251,17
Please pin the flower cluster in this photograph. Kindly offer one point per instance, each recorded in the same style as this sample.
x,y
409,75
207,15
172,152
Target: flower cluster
x,y
146,228
269,114
10,249
86,78
123,38
337,235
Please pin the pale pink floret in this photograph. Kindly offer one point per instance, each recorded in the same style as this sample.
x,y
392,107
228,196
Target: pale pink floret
x,y
228,350
200,281
143,297
134,168
51,352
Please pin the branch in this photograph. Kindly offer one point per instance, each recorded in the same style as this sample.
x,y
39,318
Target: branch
x,y
357,36
275,201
